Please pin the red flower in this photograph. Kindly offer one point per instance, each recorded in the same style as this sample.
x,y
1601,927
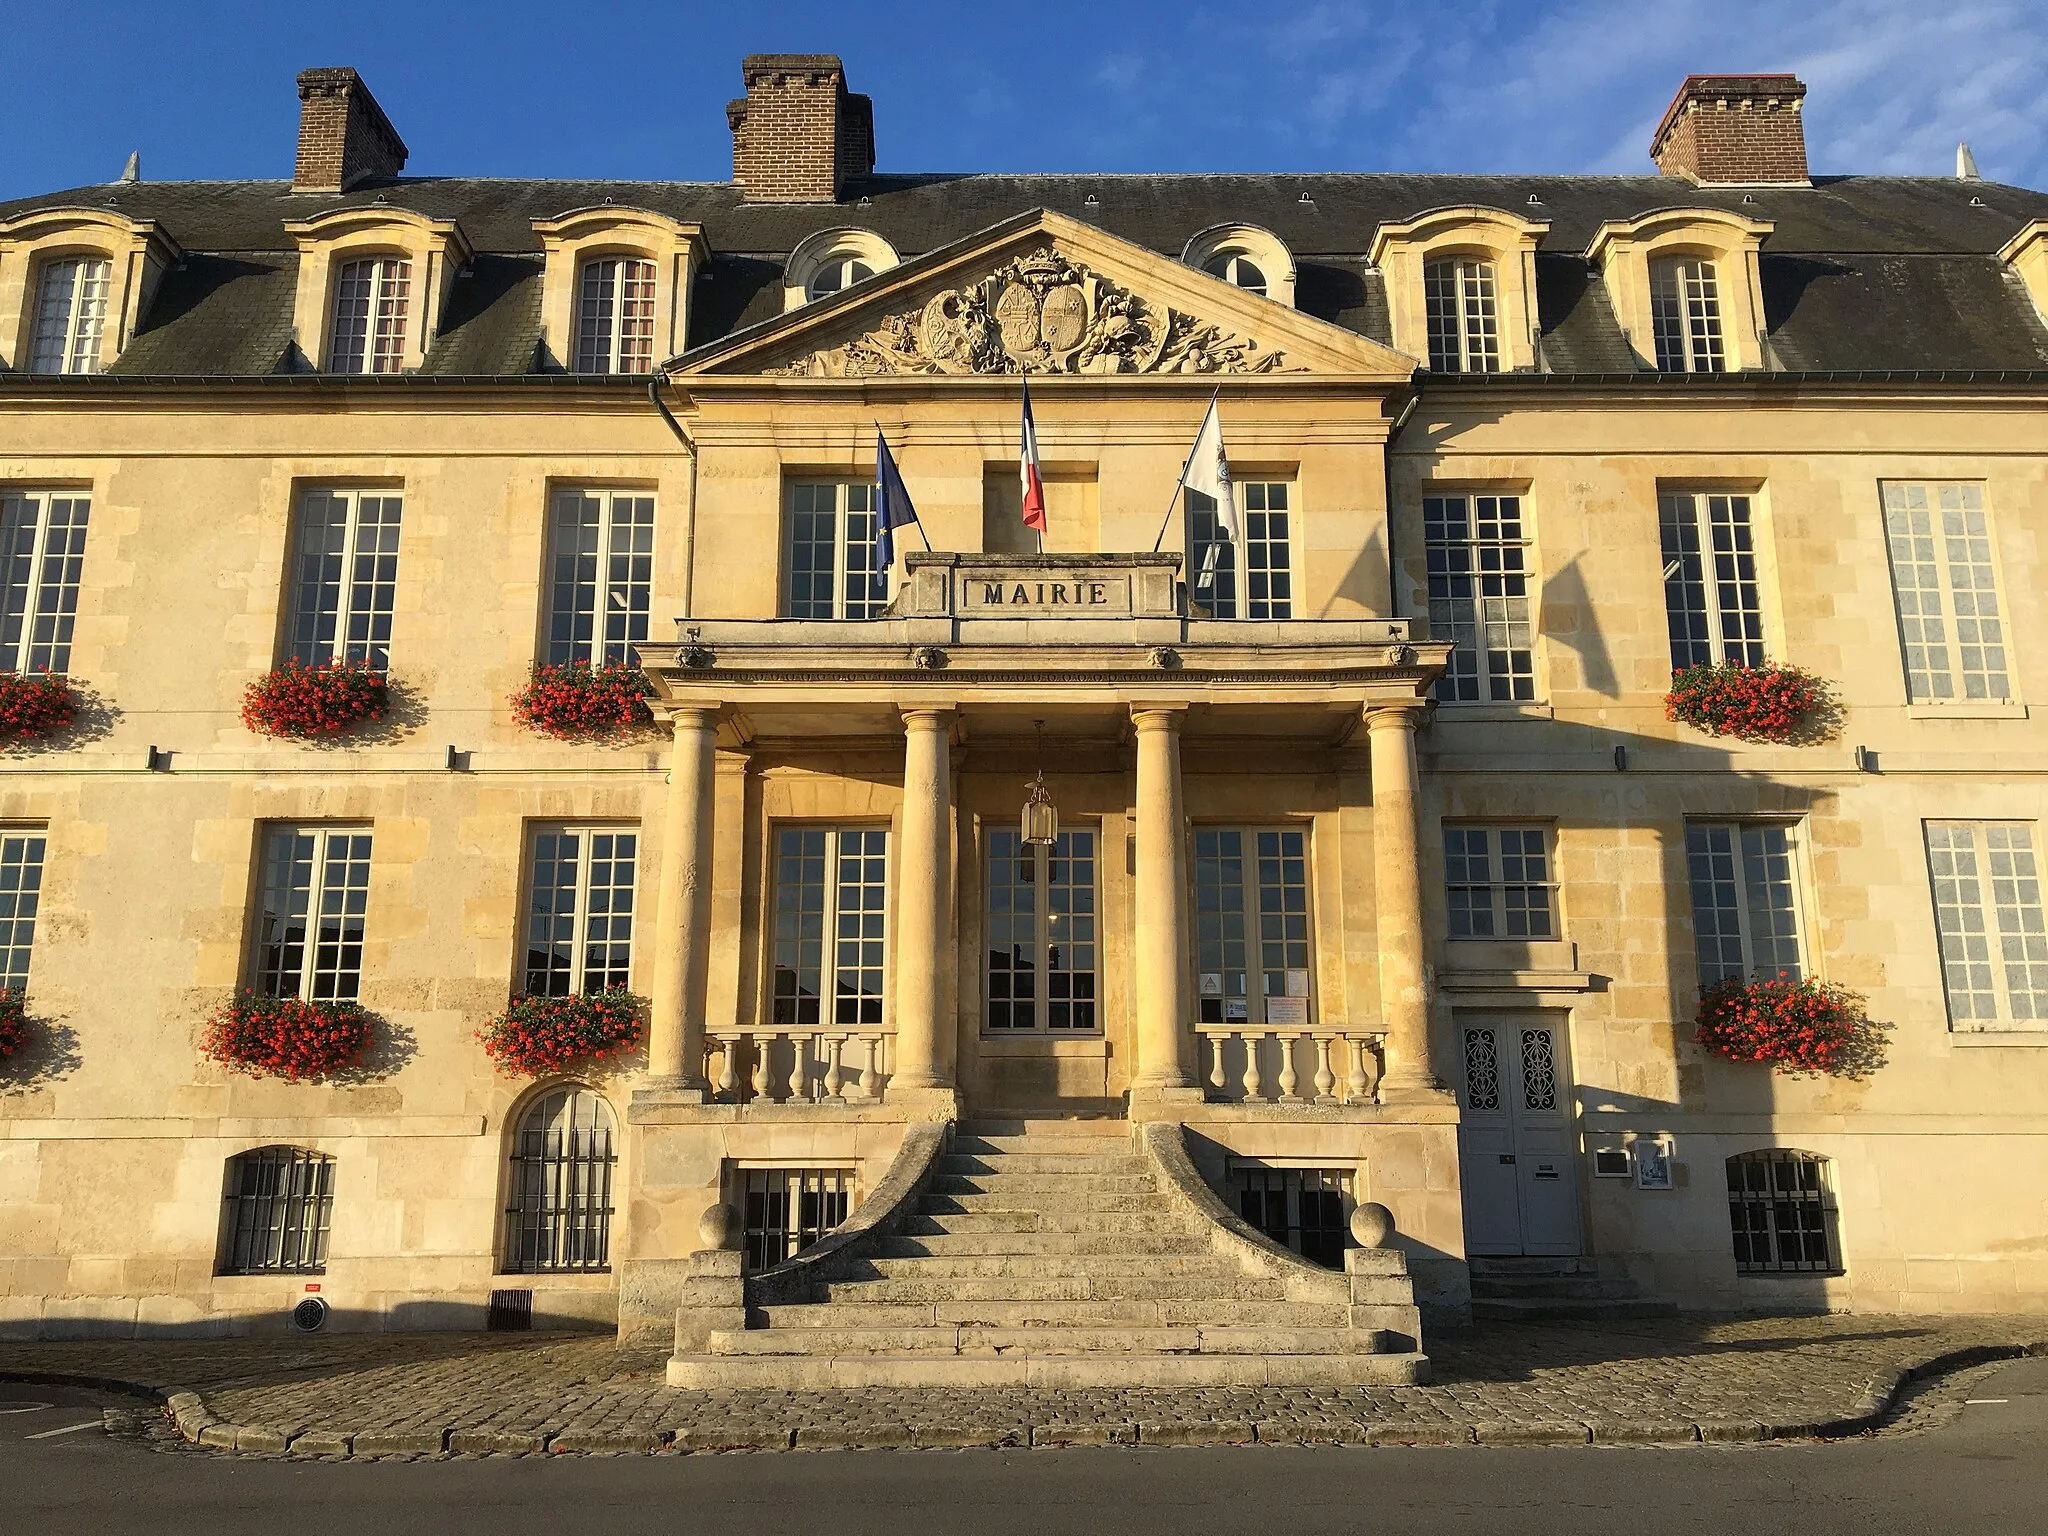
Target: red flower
x,y
1802,1026
286,1037
579,701
35,704
301,701
1762,703
13,1020
535,1036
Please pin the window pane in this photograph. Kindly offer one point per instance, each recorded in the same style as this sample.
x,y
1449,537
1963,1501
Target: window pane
x,y
1479,596
1461,309
42,554
21,887
345,578
1070,933
560,1210
1220,941
1012,925
1685,316
858,947
799,942
71,315
280,1203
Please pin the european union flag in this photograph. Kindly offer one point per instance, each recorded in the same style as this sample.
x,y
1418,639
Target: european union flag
x,y
892,510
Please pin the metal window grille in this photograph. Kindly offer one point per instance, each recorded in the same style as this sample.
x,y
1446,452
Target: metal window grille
x,y
830,889
1710,587
1462,315
1238,271
371,301
1685,316
1041,924
1985,878
1251,922
315,891
559,1218
1305,1209
1781,1212
21,891
831,551
1498,883
1482,1068
1745,907
579,909
785,1210
1256,581
280,1201
601,568
345,577
839,273
615,316
1477,556
71,315
42,545
1946,585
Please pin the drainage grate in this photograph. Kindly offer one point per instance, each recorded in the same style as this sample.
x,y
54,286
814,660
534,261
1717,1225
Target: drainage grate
x,y
511,1312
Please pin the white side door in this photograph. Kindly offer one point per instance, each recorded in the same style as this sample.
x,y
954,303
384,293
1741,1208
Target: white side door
x,y
1517,1141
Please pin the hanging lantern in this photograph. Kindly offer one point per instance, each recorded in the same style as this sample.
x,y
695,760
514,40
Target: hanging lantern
x,y
1041,816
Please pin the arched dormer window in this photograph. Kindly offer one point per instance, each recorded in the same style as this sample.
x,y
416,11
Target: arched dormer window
x,y
372,309
71,314
832,261
615,294
1245,256
1685,315
372,285
1461,287
1460,294
74,284
1686,287
615,315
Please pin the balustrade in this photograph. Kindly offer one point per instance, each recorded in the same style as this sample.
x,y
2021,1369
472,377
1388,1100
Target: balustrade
x,y
1261,1064
798,1066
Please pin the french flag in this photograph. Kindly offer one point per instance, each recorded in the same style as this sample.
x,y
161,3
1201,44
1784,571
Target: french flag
x,y
1027,471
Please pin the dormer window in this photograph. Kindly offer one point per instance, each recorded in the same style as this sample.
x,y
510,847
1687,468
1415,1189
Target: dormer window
x,y
832,261
372,300
1460,297
615,316
840,272
1687,286
1685,316
1238,271
71,315
1244,256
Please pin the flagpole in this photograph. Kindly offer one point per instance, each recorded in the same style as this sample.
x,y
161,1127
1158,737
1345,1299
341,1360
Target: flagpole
x,y
1181,484
913,507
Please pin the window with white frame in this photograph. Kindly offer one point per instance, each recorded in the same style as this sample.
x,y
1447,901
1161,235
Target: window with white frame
x,y
1711,603
1745,901
1478,560
1041,933
830,929
1987,911
1252,925
372,298
279,1205
42,541
830,551
71,314
579,909
1252,582
314,891
1498,883
1462,308
1237,269
1685,316
344,577
1946,585
836,273
558,1219
615,316
21,895
600,575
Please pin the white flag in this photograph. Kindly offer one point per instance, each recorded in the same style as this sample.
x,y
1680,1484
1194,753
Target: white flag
x,y
1208,471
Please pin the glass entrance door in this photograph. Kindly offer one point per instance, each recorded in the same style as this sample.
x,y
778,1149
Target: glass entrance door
x,y
1042,937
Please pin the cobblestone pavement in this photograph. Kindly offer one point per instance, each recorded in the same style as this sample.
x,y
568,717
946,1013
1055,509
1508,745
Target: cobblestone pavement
x,y
1657,1381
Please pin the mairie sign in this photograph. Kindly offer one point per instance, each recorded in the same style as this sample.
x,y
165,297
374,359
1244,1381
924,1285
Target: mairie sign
x,y
1089,595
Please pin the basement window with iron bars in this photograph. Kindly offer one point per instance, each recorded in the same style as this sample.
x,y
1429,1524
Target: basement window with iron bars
x,y
1303,1209
279,1203
1781,1208
785,1210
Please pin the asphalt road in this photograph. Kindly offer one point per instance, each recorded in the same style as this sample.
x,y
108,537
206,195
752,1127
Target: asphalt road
x,y
1984,1473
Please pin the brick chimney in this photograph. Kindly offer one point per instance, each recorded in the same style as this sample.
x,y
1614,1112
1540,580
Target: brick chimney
x,y
344,136
1734,130
798,135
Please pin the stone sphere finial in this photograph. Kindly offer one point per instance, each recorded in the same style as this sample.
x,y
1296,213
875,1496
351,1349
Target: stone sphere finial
x,y
718,1226
1372,1224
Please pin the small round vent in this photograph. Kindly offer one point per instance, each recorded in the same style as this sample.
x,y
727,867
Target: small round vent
x,y
310,1315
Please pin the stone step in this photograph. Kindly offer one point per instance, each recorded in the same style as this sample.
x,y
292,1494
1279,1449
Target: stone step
x,y
1562,1309
1050,1266
952,1203
1123,1163
1558,1287
975,1339
852,1311
1207,1288
1134,1223
1054,1372
1135,1245
1518,1264
1073,1183
1040,1146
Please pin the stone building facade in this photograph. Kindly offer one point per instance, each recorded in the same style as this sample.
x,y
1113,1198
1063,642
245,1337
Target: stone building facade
x,y
1381,876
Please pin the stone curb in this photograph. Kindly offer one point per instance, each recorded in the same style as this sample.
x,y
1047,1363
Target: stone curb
x,y
197,1425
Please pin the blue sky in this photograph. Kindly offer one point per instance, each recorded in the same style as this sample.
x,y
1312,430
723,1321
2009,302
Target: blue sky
x,y
636,90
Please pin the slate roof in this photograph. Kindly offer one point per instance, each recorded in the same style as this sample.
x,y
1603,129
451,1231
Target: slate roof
x,y
1860,274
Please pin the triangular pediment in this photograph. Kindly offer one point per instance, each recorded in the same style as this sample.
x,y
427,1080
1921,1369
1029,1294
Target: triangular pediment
x,y
1043,294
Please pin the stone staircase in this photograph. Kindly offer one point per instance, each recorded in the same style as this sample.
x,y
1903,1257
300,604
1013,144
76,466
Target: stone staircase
x,y
1053,1253
1536,1289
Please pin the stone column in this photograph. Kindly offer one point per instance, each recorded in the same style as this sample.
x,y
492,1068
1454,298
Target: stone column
x,y
1165,1065
675,1046
924,905
1397,890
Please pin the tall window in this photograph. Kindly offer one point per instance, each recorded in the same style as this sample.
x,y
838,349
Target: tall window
x,y
1498,883
1464,326
601,572
559,1216
1041,924
315,890
1947,591
21,895
615,316
1479,596
1745,908
1685,316
837,273
1781,1211
279,1203
1237,270
829,925
1710,592
1260,584
42,541
1251,926
1987,908
345,577
831,552
71,315
371,301
579,910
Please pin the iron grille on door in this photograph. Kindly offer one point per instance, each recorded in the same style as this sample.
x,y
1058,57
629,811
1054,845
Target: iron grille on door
x,y
279,1203
560,1215
1782,1213
784,1210
1299,1208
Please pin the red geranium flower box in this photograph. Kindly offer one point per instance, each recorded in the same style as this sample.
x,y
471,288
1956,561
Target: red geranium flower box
x,y
1799,1026
1762,703
535,1036
35,704
13,1021
576,701
287,1037
302,702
